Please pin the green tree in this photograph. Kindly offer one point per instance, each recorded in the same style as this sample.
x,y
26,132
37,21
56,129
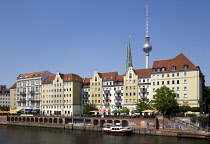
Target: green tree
x,y
124,110
195,109
89,107
184,108
206,94
165,101
143,104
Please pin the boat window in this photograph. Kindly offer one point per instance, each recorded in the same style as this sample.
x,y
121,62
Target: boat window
x,y
112,128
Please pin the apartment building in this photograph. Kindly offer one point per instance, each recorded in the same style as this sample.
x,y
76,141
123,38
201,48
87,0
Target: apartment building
x,y
5,98
29,90
61,95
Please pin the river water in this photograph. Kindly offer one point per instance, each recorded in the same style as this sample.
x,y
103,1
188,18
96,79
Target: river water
x,y
37,135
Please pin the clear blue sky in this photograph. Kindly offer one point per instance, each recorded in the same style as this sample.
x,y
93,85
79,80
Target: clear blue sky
x,y
80,36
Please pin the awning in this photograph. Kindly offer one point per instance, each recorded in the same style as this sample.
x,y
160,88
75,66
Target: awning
x,y
115,111
35,110
150,111
101,111
16,110
28,110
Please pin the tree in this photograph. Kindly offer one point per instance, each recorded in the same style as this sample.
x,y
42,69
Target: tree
x,y
165,101
195,109
143,104
89,107
206,94
184,108
124,110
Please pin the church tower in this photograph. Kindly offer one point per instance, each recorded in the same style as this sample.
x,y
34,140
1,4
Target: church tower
x,y
128,57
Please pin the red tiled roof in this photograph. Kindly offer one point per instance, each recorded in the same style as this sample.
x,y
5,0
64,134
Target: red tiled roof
x,y
86,80
109,76
143,73
30,75
65,77
13,86
119,77
49,79
179,62
4,92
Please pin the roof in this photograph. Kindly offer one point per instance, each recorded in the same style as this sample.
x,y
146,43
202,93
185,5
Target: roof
x,y
30,75
119,77
143,73
109,76
65,77
4,92
13,86
86,80
179,62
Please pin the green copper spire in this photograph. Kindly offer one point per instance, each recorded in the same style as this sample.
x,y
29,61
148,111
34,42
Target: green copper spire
x,y
128,56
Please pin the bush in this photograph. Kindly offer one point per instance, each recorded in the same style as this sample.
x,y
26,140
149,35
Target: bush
x,y
195,109
184,108
193,119
203,120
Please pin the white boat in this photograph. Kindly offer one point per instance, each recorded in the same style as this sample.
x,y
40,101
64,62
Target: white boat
x,y
118,130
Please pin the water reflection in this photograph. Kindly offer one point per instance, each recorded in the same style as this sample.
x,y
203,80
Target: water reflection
x,y
36,135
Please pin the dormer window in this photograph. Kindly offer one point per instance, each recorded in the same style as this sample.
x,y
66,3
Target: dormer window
x,y
153,70
185,66
163,68
158,69
173,68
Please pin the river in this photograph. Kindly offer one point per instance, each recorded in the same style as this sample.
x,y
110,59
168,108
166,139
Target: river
x,y
38,135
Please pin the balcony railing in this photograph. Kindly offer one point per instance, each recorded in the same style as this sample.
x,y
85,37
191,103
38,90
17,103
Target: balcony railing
x,y
22,93
106,98
33,99
85,98
85,93
117,97
32,92
143,89
106,104
117,91
118,103
106,91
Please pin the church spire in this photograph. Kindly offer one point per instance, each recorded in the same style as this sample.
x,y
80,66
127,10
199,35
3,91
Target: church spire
x,y
128,56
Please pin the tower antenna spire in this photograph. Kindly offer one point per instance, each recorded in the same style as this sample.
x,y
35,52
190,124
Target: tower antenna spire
x,y
147,47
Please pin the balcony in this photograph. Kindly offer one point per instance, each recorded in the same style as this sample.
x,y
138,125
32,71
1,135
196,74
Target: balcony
x,y
106,104
118,103
143,89
117,91
118,97
85,93
106,91
106,98
22,93
33,99
22,99
85,98
32,92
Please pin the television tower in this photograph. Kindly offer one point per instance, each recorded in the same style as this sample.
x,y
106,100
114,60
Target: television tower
x,y
147,47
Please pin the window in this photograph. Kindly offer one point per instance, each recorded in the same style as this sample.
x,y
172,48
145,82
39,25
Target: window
x,y
168,75
185,66
177,95
185,81
172,75
185,74
177,81
153,89
177,88
153,70
185,88
130,75
168,82
126,100
185,95
177,74
126,94
163,68
162,75
95,78
162,82
158,83
173,82
173,68
130,94
92,84
153,83
158,69
172,88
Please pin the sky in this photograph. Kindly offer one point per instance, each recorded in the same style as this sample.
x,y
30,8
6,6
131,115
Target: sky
x,y
81,36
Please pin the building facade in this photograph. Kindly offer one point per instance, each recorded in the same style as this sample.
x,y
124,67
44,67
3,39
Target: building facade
x,y
61,95
5,98
29,90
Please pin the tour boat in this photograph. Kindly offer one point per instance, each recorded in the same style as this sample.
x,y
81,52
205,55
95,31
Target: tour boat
x,y
118,130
